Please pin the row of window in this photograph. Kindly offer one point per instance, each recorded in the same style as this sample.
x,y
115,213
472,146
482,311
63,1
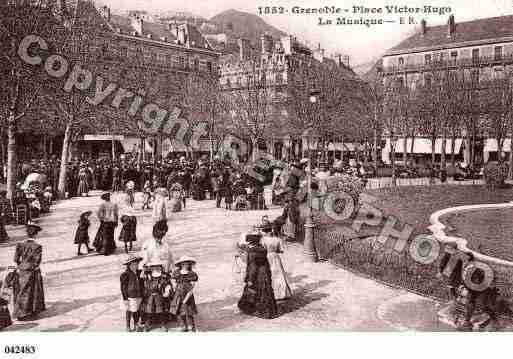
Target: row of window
x,y
428,79
152,56
453,56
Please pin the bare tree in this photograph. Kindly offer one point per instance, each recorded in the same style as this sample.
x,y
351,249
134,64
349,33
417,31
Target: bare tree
x,y
251,101
20,83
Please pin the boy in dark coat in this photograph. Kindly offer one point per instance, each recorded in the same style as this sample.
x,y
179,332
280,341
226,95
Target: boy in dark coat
x,y
82,233
132,290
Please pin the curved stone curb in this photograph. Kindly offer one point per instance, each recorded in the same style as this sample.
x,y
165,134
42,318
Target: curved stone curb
x,y
438,230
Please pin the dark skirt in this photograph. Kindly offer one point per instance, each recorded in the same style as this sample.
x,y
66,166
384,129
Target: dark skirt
x,y
128,233
178,308
29,299
104,240
82,236
259,300
155,303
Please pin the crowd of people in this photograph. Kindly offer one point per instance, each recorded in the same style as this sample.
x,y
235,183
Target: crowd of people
x,y
155,289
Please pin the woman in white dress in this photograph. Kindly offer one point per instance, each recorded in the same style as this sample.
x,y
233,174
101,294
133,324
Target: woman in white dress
x,y
273,244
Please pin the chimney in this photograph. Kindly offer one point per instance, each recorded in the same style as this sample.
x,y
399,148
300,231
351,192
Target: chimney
x,y
105,12
423,27
244,49
181,35
451,26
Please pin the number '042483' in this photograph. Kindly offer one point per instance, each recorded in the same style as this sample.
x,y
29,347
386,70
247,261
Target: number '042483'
x,y
19,349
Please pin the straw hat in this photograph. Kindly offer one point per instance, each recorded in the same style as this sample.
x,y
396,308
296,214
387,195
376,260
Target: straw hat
x,y
132,259
185,259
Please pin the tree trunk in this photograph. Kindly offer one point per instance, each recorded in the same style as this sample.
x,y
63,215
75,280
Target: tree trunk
x,y
510,160
113,148
342,150
45,152
50,151
375,150
453,147
254,144
500,143
412,148
405,150
392,159
61,188
433,149
12,160
443,164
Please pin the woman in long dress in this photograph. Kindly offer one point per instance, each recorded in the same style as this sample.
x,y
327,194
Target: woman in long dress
x,y
83,185
273,244
108,216
29,298
258,296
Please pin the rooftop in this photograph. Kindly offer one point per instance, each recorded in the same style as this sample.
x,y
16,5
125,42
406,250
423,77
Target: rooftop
x,y
480,30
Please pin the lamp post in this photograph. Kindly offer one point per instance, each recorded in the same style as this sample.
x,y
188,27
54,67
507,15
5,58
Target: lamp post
x,y
309,244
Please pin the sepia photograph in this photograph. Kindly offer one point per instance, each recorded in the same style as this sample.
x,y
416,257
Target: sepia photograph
x,y
240,166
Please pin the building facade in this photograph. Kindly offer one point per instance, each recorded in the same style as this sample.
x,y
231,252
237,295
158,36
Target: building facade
x,y
478,52
283,62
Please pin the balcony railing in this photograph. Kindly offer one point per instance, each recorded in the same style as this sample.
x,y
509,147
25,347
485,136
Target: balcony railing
x,y
450,64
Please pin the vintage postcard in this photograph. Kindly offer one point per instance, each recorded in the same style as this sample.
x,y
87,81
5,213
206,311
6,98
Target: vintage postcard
x,y
248,166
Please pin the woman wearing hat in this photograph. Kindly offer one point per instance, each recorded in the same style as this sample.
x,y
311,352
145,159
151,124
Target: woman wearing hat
x,y
258,296
108,216
30,299
274,246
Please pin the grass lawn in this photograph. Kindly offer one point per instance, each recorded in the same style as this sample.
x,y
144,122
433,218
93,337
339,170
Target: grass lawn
x,y
487,231
415,204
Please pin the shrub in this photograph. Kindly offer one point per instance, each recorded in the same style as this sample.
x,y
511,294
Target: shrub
x,y
495,173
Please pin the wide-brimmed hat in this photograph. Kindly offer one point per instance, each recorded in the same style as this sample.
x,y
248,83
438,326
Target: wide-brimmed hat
x,y
86,213
33,229
105,196
132,259
185,259
154,265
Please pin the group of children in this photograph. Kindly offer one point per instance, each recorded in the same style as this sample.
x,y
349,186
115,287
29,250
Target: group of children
x,y
127,235
150,298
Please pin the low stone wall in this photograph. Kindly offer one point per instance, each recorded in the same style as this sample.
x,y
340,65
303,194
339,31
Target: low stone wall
x,y
503,269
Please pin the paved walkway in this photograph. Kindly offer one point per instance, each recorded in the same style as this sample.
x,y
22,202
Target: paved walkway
x,y
82,293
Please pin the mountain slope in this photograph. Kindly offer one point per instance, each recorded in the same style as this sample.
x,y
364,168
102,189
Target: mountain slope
x,y
238,24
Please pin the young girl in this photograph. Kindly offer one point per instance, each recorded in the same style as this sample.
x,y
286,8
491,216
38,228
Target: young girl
x,y
82,233
183,303
132,289
128,231
157,291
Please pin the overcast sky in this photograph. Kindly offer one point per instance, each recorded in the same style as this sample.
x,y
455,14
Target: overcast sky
x,y
361,43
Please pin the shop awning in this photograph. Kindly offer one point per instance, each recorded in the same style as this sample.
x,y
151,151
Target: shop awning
x,y
490,145
133,144
423,145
